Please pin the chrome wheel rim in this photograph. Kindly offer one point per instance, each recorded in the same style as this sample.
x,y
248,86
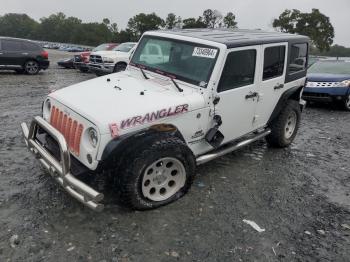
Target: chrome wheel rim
x,y
163,179
32,67
290,125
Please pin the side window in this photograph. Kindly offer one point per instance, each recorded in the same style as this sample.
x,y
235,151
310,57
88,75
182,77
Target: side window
x,y
12,46
273,62
239,70
30,46
298,58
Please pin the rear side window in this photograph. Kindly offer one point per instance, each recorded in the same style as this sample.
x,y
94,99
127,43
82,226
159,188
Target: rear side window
x,y
10,45
273,62
239,70
30,46
298,58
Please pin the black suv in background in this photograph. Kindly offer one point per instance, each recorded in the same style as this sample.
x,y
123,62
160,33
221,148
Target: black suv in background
x,y
23,56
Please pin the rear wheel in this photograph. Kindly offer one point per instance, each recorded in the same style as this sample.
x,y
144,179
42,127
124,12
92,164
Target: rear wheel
x,y
285,127
119,67
156,174
31,67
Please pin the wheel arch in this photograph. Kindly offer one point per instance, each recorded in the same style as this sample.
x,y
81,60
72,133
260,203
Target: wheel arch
x,y
30,59
293,93
116,149
121,62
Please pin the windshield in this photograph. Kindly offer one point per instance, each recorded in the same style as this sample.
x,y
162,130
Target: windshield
x,y
103,47
189,62
125,47
328,67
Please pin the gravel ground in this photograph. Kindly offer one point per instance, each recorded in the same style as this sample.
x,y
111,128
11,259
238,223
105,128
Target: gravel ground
x,y
299,195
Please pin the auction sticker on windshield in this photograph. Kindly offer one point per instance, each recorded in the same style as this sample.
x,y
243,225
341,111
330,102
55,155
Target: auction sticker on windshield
x,y
204,52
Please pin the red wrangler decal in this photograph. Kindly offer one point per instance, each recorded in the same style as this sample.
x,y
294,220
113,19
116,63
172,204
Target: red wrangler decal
x,y
154,116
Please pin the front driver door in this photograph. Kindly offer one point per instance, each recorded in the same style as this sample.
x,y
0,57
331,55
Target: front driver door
x,y
237,90
11,56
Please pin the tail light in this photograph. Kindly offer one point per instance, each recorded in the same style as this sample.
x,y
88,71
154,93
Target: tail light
x,y
44,54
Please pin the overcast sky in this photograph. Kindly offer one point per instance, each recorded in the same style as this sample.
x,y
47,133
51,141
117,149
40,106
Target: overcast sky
x,y
250,14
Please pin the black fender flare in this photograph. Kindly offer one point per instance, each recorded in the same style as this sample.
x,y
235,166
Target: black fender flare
x,y
293,93
115,150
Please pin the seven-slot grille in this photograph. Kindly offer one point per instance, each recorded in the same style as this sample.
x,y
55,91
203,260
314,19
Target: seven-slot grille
x,y
69,128
323,84
96,59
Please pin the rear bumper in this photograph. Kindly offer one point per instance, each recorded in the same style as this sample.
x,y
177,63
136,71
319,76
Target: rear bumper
x,y
60,170
44,64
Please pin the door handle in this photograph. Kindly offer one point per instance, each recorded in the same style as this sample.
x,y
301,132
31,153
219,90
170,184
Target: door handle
x,y
251,95
278,86
1,53
24,53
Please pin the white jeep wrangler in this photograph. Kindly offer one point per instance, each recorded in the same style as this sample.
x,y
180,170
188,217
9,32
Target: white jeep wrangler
x,y
111,61
209,93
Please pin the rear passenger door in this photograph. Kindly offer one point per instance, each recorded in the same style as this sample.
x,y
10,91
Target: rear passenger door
x,y
271,81
237,90
11,53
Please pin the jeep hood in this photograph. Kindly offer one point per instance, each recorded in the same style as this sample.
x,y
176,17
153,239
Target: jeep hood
x,y
120,97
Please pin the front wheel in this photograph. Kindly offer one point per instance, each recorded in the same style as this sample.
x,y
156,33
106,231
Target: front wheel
x,y
31,67
156,174
285,127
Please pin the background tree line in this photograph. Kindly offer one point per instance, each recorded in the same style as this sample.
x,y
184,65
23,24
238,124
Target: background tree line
x,y
60,28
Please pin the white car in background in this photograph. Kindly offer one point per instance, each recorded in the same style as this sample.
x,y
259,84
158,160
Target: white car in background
x,y
115,60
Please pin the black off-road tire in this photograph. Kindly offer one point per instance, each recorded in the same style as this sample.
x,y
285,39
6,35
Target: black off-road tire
x,y
279,126
119,67
129,176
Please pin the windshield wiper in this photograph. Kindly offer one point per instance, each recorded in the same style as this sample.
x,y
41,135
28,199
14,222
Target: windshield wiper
x,y
143,73
176,84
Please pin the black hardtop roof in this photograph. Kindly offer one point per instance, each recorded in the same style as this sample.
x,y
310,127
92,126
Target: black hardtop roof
x,y
238,37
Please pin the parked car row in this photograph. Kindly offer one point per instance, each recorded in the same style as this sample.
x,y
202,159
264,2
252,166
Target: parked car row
x,y
64,47
105,59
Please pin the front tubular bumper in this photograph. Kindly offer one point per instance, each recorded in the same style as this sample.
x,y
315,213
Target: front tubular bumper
x,y
60,170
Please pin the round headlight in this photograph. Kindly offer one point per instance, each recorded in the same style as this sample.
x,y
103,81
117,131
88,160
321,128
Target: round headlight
x,y
48,104
93,137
